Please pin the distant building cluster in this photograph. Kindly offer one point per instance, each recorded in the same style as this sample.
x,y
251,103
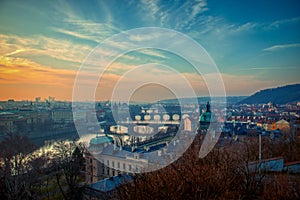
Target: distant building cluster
x,y
135,137
241,121
267,119
34,117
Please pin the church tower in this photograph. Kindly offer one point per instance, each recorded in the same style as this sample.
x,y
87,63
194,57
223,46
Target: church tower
x,y
205,119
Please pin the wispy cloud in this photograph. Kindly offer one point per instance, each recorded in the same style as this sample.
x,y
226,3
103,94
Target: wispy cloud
x,y
282,47
191,11
22,71
14,52
179,15
74,34
278,23
145,37
212,28
87,30
245,27
30,47
76,24
153,53
265,68
151,6
24,79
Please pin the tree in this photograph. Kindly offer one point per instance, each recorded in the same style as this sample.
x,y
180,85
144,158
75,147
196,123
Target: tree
x,y
222,174
68,163
19,167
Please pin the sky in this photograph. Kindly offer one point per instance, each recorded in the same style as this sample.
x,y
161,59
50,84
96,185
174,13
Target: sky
x,y
254,44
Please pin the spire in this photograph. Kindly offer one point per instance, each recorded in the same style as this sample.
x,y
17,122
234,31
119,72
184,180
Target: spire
x,y
208,107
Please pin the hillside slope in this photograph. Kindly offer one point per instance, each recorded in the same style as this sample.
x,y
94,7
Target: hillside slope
x,y
279,95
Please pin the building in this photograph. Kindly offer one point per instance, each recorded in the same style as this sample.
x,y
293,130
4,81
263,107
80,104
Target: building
x,y
8,122
283,125
187,124
62,115
104,189
106,160
205,119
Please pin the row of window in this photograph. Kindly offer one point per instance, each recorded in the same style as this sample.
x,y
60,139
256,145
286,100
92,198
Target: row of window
x,y
118,165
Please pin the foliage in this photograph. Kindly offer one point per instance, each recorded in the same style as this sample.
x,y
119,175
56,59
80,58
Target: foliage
x,y
222,174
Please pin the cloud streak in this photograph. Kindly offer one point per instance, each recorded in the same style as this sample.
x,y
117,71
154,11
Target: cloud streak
x,y
265,68
278,23
282,47
29,47
24,71
179,15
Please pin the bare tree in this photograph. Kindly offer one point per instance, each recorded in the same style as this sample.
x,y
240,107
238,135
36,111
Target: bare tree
x,y
19,167
68,163
223,173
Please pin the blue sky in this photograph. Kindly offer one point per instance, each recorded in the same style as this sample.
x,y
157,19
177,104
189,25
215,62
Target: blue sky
x,y
255,44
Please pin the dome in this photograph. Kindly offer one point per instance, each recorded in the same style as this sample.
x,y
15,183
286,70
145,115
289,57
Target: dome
x,y
101,140
205,117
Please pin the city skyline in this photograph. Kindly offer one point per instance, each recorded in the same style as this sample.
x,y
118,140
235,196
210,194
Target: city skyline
x,y
254,45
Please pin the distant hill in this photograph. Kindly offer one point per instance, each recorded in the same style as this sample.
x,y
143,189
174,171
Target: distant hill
x,y
203,100
279,95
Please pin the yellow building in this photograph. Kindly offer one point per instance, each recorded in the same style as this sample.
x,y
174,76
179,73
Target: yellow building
x,y
283,125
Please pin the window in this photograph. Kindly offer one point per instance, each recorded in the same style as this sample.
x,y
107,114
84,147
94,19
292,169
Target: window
x,y
107,162
113,164
118,165
124,166
129,167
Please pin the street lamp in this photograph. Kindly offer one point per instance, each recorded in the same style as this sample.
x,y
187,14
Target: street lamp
x,y
259,150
